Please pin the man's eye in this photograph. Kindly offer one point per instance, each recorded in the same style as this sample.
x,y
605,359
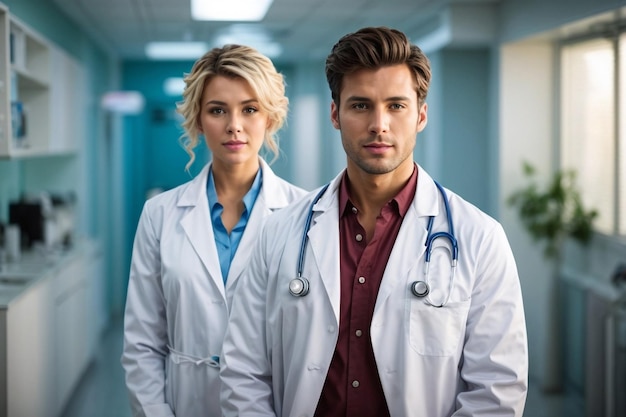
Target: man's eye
x,y
359,106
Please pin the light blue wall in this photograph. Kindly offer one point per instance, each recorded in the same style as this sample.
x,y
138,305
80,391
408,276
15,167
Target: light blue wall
x,y
454,146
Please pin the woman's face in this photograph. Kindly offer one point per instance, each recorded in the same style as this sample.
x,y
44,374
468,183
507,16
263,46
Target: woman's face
x,y
232,122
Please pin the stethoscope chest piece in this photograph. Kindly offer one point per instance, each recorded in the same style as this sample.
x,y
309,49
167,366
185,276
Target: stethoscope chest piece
x,y
420,288
299,287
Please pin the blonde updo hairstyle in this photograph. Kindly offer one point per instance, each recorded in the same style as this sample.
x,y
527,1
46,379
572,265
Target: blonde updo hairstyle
x,y
233,61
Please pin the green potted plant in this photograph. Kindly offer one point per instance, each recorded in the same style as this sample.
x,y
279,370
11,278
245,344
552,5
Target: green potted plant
x,y
554,212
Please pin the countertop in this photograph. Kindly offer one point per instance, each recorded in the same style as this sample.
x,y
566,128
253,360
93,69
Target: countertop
x,y
35,265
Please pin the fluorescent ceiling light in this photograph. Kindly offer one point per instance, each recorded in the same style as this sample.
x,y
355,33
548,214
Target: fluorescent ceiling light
x,y
123,102
230,10
250,35
174,86
176,50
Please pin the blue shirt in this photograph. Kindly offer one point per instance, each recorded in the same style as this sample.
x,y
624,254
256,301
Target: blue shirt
x,y
227,244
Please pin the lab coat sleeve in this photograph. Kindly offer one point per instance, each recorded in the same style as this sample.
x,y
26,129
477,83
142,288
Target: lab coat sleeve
x,y
145,328
495,354
246,371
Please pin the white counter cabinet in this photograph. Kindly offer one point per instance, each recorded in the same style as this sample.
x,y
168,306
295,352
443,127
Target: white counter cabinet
x,y
49,332
29,357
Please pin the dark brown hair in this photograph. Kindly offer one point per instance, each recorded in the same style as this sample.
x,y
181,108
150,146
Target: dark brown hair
x,y
373,48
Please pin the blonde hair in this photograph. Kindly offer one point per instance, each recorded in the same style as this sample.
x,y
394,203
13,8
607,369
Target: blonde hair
x,y
233,61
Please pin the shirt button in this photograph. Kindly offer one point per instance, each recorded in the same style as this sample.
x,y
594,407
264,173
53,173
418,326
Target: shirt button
x,y
358,333
359,237
331,329
361,280
355,384
354,210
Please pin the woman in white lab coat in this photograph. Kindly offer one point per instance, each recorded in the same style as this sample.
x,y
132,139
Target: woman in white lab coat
x,y
341,324
193,242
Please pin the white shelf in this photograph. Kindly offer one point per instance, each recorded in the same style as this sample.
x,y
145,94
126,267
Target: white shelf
x,y
38,93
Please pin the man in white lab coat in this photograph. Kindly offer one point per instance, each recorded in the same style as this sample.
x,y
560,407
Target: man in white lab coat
x,y
351,320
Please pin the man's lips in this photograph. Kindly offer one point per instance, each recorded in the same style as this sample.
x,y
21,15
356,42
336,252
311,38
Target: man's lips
x,y
377,147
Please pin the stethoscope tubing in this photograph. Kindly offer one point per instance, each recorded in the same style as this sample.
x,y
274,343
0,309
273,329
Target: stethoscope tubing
x,y
307,226
299,286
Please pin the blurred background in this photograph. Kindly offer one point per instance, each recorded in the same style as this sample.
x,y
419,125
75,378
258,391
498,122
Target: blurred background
x,y
88,130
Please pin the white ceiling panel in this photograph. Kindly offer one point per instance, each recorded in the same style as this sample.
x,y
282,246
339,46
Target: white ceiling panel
x,y
306,29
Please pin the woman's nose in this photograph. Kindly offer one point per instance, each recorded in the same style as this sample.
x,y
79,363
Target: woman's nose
x,y
234,124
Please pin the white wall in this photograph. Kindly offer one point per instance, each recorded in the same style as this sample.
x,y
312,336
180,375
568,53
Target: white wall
x,y
526,126
528,130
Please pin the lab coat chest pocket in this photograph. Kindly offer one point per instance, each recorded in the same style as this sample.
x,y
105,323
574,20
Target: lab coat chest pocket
x,y
438,331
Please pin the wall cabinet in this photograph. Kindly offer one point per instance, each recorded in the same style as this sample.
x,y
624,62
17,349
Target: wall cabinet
x,y
40,93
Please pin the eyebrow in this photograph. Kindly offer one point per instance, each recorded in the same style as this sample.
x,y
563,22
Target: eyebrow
x,y
222,103
394,98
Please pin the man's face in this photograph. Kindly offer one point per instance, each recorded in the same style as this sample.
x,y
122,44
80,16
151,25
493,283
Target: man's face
x,y
379,117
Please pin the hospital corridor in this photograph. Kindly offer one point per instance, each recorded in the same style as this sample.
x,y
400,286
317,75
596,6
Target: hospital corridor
x,y
144,145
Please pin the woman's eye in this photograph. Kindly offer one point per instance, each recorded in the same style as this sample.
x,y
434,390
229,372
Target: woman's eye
x,y
250,110
216,110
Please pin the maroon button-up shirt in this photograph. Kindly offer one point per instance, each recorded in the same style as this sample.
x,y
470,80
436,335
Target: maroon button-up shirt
x,y
352,386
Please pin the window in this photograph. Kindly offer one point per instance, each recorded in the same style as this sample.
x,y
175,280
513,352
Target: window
x,y
593,127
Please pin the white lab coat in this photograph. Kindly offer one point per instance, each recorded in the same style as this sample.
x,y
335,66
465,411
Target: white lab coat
x,y
468,358
177,306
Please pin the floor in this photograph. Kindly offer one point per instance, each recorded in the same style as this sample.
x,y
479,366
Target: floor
x,y
102,393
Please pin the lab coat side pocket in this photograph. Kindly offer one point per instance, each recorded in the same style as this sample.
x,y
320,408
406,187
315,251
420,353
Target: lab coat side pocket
x,y
435,331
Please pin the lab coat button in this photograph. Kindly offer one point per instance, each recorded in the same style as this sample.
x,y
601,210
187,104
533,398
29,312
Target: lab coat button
x,y
355,384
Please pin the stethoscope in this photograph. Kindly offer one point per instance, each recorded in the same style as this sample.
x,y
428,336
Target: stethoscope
x,y
299,286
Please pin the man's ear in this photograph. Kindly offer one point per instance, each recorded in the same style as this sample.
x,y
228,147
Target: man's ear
x,y
422,119
334,115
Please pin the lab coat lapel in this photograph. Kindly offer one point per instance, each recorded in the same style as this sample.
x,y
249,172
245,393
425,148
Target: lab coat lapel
x,y
324,241
198,228
271,197
410,247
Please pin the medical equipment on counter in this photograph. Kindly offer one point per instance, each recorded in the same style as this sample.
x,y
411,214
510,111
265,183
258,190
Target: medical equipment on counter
x,y
299,286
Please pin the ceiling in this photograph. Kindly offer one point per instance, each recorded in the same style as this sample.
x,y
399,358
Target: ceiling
x,y
306,29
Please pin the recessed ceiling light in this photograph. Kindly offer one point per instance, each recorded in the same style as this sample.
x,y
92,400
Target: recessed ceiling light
x,y
230,10
123,102
251,35
176,50
174,86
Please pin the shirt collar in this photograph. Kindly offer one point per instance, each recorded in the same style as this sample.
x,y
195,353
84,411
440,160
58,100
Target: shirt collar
x,y
402,200
248,199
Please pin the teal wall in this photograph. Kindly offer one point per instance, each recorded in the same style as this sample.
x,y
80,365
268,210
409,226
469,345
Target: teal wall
x,y
456,145
464,79
17,176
